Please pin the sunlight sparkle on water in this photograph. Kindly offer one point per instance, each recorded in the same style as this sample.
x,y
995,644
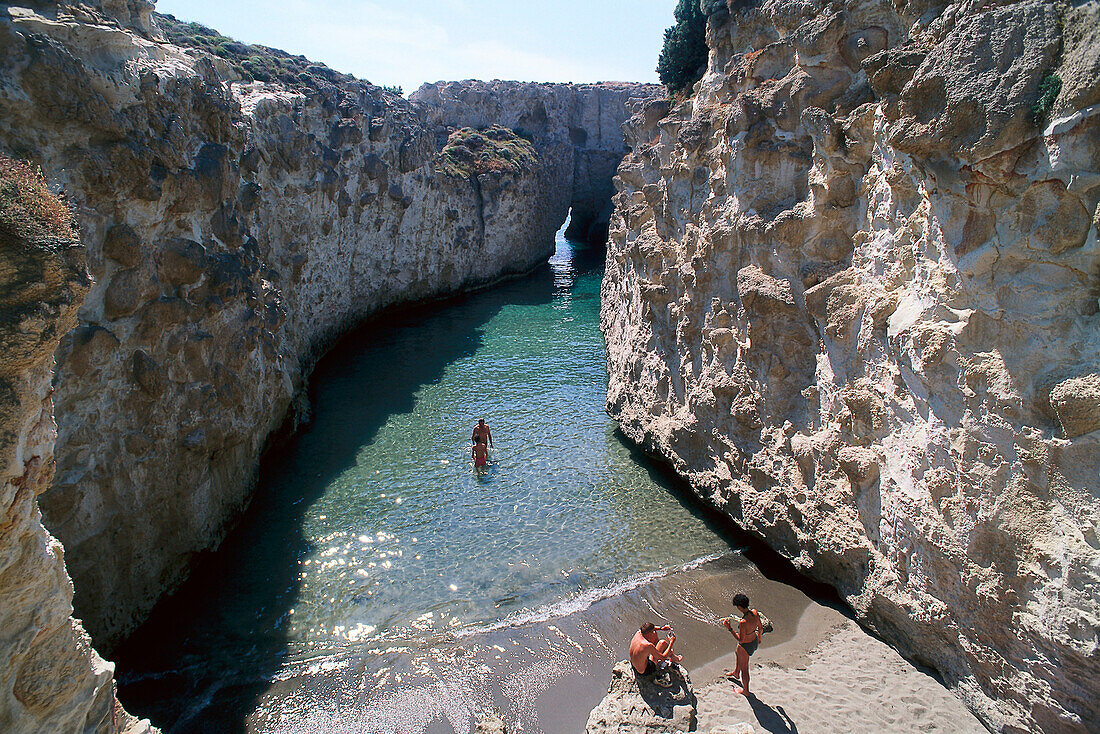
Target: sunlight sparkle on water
x,y
565,513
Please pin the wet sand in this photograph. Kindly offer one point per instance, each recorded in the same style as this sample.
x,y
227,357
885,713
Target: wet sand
x,y
546,672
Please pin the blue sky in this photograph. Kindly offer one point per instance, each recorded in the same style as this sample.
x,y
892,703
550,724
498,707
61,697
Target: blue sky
x,y
413,41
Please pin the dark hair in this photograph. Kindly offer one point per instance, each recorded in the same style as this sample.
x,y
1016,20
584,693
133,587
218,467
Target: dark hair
x,y
648,627
740,600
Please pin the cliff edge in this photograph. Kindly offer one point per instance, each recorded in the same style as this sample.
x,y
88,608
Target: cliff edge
x,y
50,677
577,128
233,227
851,296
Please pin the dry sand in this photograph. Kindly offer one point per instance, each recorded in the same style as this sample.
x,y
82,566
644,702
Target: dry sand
x,y
831,677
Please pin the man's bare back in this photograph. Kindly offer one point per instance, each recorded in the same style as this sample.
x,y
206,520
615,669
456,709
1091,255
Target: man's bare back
x,y
646,650
481,430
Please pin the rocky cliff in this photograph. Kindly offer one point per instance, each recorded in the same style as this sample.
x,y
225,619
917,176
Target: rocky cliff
x,y
237,216
851,296
577,128
50,677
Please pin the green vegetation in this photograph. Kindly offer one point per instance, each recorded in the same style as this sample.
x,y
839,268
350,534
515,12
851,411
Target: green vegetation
x,y
470,153
252,63
684,55
1049,88
394,89
27,207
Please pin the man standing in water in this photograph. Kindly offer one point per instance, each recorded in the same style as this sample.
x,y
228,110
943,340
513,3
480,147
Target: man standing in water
x,y
646,651
482,430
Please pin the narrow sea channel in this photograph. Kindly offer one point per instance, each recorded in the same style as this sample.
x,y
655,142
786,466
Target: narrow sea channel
x,y
380,583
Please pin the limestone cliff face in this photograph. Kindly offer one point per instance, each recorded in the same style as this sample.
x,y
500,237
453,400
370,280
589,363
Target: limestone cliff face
x,y
577,129
50,677
851,296
232,229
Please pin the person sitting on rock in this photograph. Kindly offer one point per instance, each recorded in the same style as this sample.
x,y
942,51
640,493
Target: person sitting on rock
x,y
646,651
748,634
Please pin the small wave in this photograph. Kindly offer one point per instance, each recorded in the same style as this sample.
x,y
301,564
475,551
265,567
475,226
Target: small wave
x,y
582,601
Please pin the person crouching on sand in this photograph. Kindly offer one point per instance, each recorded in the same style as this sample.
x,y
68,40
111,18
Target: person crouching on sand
x,y
748,633
646,651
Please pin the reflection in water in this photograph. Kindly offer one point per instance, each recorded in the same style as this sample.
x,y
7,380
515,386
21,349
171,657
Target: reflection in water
x,y
373,553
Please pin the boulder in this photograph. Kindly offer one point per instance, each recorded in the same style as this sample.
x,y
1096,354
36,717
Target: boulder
x,y
661,703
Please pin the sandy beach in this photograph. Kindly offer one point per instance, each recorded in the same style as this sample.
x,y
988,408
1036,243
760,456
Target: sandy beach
x,y
831,677
818,672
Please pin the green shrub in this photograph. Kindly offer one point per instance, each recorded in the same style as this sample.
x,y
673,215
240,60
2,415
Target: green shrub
x,y
393,89
684,54
497,149
259,63
1049,88
27,207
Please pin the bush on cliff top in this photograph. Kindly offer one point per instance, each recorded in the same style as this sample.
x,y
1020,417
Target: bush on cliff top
x,y
254,63
684,55
496,149
27,207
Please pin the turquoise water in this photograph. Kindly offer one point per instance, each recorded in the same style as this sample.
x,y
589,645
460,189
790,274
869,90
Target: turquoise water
x,y
371,533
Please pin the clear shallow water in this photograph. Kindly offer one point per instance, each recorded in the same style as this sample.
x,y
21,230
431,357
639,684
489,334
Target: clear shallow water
x,y
372,538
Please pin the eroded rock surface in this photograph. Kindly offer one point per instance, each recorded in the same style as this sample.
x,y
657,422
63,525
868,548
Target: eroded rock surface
x,y
664,703
51,680
233,229
851,296
577,129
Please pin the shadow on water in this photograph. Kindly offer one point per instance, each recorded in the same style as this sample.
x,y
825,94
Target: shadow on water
x,y
771,564
207,653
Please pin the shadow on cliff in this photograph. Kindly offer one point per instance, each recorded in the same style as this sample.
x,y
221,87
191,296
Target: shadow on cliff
x,y
771,564
208,653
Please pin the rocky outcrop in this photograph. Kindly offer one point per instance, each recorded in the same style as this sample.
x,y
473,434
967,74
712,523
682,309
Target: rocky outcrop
x,y
233,229
50,677
577,128
662,703
491,724
851,296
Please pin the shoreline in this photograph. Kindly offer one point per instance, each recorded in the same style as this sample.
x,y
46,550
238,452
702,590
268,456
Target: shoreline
x,y
548,674
829,676
815,626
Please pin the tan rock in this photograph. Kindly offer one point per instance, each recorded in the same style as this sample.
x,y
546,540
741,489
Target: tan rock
x,y
51,680
664,703
918,340
1076,402
492,724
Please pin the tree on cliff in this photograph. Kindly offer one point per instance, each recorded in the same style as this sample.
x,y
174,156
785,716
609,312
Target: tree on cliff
x,y
684,55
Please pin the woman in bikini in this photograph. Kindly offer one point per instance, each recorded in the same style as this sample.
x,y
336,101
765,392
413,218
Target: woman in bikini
x,y
480,452
748,633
